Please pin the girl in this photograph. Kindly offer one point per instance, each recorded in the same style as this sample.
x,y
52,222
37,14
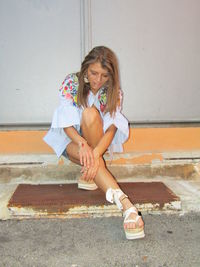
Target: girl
x,y
88,122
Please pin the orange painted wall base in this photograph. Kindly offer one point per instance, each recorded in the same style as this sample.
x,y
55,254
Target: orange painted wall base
x,y
140,140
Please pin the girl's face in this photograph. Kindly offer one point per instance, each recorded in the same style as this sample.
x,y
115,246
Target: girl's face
x,y
97,76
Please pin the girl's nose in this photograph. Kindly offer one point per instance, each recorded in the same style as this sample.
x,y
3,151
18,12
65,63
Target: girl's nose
x,y
99,78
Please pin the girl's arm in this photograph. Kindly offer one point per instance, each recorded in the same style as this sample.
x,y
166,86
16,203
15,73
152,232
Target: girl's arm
x,y
105,141
74,135
98,151
85,151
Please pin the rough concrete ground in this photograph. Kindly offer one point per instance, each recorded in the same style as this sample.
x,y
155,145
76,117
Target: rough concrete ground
x,y
171,241
172,238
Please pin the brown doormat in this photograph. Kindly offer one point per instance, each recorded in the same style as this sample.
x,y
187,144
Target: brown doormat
x,y
67,198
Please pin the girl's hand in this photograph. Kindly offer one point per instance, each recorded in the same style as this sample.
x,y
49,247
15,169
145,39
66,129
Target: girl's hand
x,y
86,155
90,173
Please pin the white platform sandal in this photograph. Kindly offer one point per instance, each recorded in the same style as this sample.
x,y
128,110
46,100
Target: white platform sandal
x,y
116,196
137,232
82,184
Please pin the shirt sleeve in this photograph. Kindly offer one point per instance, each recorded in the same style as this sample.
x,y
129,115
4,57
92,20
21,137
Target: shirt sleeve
x,y
66,114
122,133
121,123
68,104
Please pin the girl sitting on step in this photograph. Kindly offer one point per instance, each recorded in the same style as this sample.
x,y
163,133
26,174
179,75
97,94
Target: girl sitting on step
x,y
88,122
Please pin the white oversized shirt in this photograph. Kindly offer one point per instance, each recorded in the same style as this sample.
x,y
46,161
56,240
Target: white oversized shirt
x,y
69,114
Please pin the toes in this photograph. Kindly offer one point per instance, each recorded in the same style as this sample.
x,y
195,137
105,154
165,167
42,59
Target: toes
x,y
132,226
129,226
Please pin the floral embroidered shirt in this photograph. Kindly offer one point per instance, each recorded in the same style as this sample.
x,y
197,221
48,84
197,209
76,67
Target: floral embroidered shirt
x,y
68,113
69,89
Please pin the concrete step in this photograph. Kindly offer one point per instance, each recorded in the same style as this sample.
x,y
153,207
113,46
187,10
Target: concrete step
x,y
42,168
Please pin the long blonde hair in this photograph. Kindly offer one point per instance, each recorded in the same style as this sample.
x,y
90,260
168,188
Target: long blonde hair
x,y
108,61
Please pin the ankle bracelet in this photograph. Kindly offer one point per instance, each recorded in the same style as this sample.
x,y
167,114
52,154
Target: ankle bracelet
x,y
123,197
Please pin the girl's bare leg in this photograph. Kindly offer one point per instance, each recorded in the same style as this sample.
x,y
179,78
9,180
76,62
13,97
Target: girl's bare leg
x,y
92,129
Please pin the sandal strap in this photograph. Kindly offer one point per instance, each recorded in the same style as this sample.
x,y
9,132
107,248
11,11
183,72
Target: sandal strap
x,y
132,220
115,196
127,212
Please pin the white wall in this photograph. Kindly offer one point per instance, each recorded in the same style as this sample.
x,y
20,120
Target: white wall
x,y
157,43
39,45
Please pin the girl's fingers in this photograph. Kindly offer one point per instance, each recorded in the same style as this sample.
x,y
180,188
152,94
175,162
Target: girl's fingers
x,y
89,165
96,167
88,161
88,175
86,156
84,160
82,169
81,159
92,159
92,173
91,156
84,175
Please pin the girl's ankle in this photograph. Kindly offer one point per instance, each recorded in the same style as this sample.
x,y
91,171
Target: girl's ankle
x,y
126,204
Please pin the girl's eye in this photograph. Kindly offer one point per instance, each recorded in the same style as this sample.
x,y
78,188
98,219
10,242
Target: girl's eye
x,y
105,76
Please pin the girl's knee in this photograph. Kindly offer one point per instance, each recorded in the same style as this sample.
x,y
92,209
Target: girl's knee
x,y
90,116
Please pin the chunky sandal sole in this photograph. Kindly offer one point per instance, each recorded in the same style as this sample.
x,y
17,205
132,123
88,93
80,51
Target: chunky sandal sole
x,y
131,236
87,186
